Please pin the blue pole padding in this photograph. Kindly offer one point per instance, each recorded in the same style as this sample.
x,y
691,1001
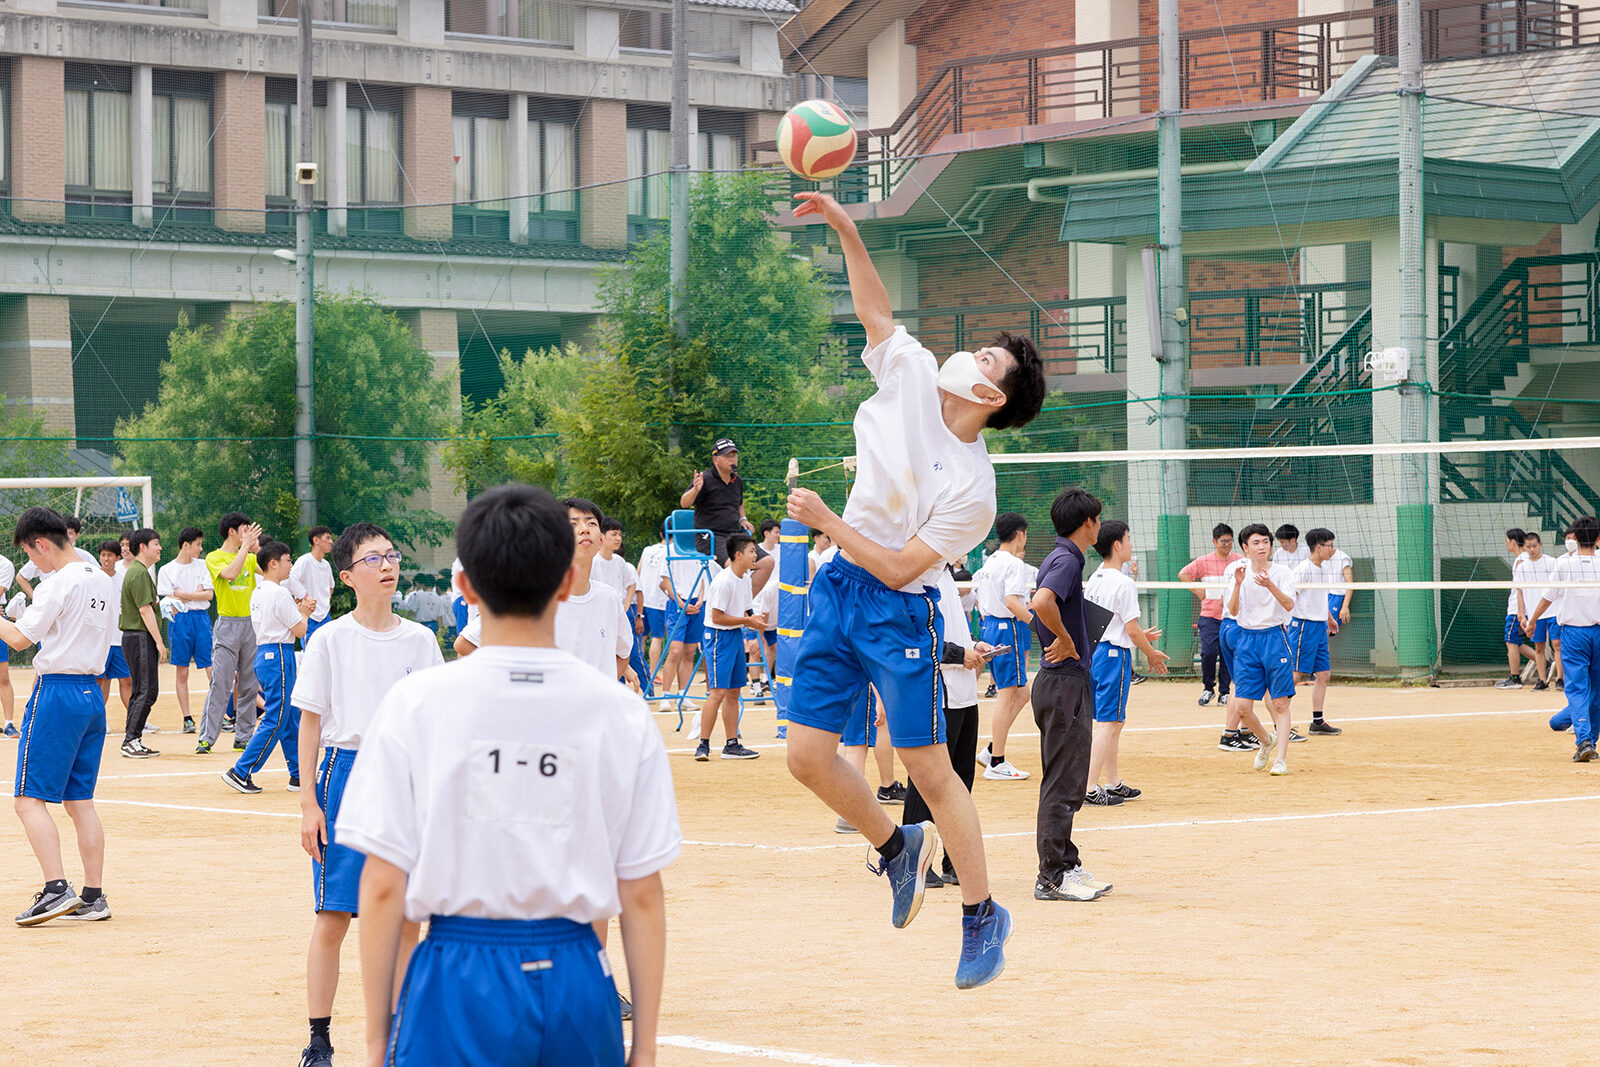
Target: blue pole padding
x,y
794,575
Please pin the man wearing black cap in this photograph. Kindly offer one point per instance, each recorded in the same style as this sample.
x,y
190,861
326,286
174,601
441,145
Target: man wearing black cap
x,y
717,496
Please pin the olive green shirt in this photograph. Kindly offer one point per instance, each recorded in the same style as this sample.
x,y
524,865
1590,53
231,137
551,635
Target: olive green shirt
x,y
138,589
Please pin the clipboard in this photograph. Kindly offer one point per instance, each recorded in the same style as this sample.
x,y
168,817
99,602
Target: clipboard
x,y
1095,621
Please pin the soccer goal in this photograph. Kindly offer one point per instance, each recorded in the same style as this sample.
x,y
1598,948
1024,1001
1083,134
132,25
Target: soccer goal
x,y
106,506
1424,525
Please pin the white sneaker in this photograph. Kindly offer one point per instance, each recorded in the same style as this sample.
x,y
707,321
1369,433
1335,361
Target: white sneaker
x,y
1002,771
151,728
986,755
691,723
1280,766
843,827
1264,754
1079,876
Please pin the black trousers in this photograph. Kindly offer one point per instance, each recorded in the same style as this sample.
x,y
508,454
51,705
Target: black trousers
x,y
139,649
1063,706
961,738
1213,665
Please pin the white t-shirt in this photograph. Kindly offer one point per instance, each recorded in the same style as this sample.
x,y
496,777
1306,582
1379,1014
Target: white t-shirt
x,y
1118,594
1542,569
33,574
960,684
1336,564
765,603
594,627
1311,589
346,670
455,588
616,572
1577,607
510,806
1511,599
273,613
1224,587
116,602
688,583
652,568
1301,553
1001,575
732,595
73,620
8,574
1258,608
188,577
914,478
312,577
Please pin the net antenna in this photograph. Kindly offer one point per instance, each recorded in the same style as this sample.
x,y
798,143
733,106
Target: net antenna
x,y
146,506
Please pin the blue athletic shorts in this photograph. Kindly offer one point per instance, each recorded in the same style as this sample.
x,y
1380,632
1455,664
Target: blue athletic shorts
x,y
458,608
1309,639
1555,629
313,625
189,637
336,880
492,992
685,626
861,631
655,622
1514,634
116,664
1009,669
862,726
1263,663
1542,627
1112,671
63,735
1227,641
724,655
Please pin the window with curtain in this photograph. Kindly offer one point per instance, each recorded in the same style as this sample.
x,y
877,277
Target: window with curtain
x,y
98,150
5,125
283,149
378,14
545,21
719,151
649,154
372,144
180,158
710,36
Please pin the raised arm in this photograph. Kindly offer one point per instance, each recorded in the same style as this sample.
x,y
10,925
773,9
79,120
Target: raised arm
x,y
867,291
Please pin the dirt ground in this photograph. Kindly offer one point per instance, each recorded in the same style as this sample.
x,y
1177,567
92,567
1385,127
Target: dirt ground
x,y
1419,890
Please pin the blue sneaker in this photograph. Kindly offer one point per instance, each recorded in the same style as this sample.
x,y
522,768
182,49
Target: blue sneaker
x,y
908,871
12,731
1561,720
983,939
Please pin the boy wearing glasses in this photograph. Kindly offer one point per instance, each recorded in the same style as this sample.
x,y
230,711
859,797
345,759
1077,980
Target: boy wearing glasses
x,y
343,677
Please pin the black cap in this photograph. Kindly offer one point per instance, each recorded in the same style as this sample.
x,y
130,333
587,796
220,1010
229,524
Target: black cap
x,y
723,446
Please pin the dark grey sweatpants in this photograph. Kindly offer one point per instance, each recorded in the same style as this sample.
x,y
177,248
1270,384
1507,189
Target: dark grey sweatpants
x,y
233,666
1063,706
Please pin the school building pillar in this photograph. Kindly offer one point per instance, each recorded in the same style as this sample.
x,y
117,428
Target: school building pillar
x,y
603,157
36,359
238,147
38,144
427,147
437,331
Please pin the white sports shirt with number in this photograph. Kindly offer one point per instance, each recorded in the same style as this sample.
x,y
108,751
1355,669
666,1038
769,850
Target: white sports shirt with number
x,y
731,594
346,670
1118,594
1258,608
511,807
312,577
914,478
652,568
1312,581
1001,575
73,620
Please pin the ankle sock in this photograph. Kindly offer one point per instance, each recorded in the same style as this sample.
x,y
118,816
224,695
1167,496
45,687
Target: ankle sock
x,y
972,909
89,894
1316,716
894,846
55,885
321,1028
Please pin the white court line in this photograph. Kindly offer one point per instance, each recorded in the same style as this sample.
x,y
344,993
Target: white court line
x,y
753,1052
1176,823
195,807
166,774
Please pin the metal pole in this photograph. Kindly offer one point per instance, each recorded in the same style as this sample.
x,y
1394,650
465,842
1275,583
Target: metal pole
x,y
678,186
304,491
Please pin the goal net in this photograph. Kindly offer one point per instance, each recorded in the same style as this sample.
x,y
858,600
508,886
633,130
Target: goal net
x,y
107,507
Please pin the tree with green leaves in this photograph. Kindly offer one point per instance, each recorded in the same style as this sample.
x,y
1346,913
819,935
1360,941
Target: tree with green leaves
x,y
220,435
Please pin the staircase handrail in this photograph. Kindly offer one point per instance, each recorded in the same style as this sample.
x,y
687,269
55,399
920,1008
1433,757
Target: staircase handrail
x,y
1346,339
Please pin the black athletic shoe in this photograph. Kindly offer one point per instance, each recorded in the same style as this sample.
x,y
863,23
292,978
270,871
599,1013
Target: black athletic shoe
x,y
1296,735
702,751
1205,698
893,793
1125,791
1237,743
1250,739
950,877
294,785
1584,754
734,750
227,724
317,1054
1540,686
203,748
188,724
47,906
1321,726
1137,679
1100,797
240,746
627,1008
239,781
933,879
989,693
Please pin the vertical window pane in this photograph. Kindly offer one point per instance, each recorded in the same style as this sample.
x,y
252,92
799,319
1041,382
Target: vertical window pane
x,y
536,183
489,157
319,150
278,131
544,20
77,137
382,163
5,106
462,128
112,167
727,152
191,147
161,144
560,166
636,172
658,154
354,164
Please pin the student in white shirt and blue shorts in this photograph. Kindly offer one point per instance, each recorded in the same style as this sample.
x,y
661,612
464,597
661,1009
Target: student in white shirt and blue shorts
x,y
1260,596
727,616
513,826
1579,612
1311,622
72,619
1003,585
278,617
311,578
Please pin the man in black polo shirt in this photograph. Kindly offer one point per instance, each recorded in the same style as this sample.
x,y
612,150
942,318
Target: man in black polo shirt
x,y
717,496
1063,698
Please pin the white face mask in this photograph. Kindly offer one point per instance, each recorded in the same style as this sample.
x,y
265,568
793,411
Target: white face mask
x,y
960,375
1572,544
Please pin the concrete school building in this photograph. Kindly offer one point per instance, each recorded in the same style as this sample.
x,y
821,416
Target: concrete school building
x,y
1037,142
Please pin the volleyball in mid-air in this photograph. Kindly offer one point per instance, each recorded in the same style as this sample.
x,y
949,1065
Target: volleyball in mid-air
x,y
816,140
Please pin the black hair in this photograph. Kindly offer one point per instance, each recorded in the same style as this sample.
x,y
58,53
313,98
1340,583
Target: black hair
x,y
231,521
1023,384
1319,536
1008,525
1111,531
108,545
139,538
344,549
577,503
1072,508
1533,534
608,524
190,533
124,536
737,543
516,544
268,552
1586,531
74,523
1515,535
1221,529
1252,530
1288,532
41,522
820,533
770,524
316,532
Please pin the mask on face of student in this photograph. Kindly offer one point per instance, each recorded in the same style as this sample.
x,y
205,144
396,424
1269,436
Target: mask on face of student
x,y
960,376
1572,544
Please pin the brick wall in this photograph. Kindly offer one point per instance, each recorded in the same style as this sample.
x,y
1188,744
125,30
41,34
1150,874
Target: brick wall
x,y
38,157
36,357
603,157
1235,331
427,151
1544,310
947,30
238,151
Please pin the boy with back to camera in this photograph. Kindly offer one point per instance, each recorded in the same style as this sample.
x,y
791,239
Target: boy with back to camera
x,y
513,825
1579,612
343,676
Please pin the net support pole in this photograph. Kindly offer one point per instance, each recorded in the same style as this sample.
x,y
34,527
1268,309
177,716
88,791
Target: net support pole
x,y
1174,607
678,186
793,577
305,289
1415,644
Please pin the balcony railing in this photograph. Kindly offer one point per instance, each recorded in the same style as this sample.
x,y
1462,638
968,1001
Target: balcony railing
x,y
1272,325
1229,66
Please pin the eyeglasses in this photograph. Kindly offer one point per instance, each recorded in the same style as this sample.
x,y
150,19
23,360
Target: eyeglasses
x,y
375,561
